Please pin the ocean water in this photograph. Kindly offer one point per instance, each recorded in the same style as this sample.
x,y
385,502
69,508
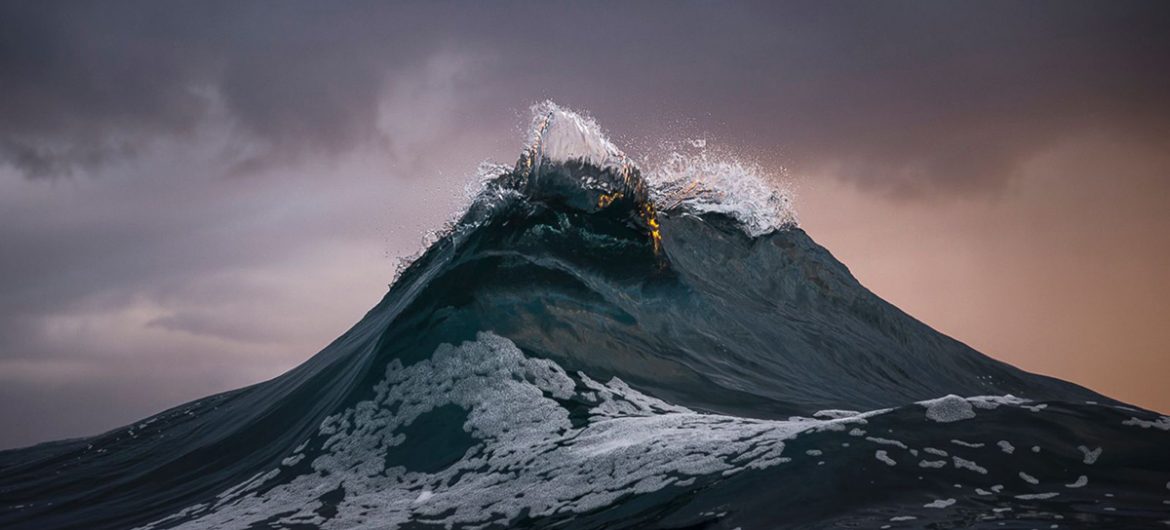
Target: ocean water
x,y
591,345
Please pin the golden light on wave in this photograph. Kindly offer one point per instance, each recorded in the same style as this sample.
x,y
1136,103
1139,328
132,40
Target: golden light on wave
x,y
606,199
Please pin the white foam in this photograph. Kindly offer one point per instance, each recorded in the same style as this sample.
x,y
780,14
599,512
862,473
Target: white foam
x,y
1080,482
993,402
1162,423
527,456
1091,456
972,445
292,460
962,463
887,441
948,409
1006,446
705,182
940,503
834,414
1029,478
1036,496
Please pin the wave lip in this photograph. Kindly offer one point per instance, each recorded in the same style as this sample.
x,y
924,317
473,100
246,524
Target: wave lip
x,y
558,135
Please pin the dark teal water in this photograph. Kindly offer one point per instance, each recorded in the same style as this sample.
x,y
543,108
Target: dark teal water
x,y
551,363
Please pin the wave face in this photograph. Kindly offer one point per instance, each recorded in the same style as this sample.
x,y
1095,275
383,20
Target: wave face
x,y
589,347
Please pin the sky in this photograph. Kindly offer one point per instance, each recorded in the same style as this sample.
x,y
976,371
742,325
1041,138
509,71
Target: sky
x,y
195,197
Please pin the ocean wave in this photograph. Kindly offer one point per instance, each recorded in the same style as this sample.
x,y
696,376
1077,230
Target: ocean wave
x,y
591,346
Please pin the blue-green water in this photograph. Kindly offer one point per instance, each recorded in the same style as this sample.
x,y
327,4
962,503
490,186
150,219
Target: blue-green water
x,y
578,353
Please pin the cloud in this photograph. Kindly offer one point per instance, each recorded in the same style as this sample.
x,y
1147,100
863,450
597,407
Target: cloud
x,y
88,85
906,98
353,117
160,281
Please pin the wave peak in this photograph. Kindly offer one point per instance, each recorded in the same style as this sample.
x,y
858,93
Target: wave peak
x,y
560,135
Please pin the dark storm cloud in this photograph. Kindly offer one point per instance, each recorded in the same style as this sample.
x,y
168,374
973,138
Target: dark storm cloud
x,y
910,96
88,83
157,269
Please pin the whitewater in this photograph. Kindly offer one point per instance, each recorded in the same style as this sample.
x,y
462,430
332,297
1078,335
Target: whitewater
x,y
592,344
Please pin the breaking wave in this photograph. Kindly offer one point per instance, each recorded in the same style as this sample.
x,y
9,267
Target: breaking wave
x,y
591,346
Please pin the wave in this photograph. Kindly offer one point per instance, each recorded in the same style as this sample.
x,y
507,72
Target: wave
x,y
589,346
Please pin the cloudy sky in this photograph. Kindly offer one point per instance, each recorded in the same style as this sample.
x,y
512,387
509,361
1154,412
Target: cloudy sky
x,y
195,196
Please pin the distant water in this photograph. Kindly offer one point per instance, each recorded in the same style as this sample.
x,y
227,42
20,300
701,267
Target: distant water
x,y
589,346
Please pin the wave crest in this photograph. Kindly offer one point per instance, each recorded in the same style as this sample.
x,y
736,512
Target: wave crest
x,y
704,182
567,156
699,182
